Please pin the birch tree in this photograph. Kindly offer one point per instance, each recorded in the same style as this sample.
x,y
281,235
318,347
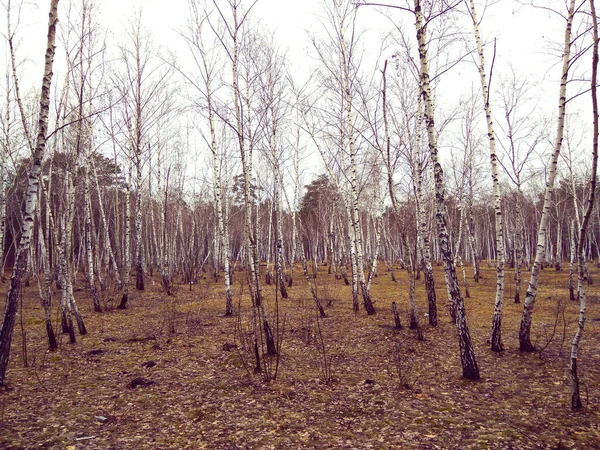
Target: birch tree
x,y
143,85
525,327
238,36
575,389
205,61
496,338
340,62
467,354
31,198
521,136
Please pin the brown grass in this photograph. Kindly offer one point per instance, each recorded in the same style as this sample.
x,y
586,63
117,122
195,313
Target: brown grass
x,y
388,390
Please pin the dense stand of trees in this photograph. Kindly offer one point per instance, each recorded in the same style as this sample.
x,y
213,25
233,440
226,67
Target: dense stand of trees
x,y
109,187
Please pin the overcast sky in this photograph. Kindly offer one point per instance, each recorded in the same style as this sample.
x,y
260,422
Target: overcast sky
x,y
528,39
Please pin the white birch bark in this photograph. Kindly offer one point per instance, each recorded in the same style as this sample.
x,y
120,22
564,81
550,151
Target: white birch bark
x,y
12,297
3,186
45,290
414,320
525,328
107,244
246,157
576,402
467,354
350,132
496,338
88,239
127,244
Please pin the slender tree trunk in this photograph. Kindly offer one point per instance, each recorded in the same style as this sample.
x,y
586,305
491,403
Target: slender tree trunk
x,y
88,241
139,243
249,230
572,262
127,245
518,244
279,229
107,244
45,291
467,353
496,338
525,328
3,185
575,389
12,297
413,317
355,217
353,264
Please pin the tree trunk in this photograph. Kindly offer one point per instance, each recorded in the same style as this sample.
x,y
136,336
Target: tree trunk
x,y
467,354
496,338
575,390
127,245
12,297
525,328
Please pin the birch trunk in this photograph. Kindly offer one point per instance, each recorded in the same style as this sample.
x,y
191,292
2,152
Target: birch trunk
x,y
525,328
414,320
218,199
518,244
46,291
65,253
471,227
279,228
164,256
575,390
496,338
107,244
373,270
572,262
127,244
353,261
467,354
88,240
12,296
249,231
139,243
357,237
3,186
307,275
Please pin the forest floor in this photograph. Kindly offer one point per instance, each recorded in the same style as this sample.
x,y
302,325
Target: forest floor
x,y
379,388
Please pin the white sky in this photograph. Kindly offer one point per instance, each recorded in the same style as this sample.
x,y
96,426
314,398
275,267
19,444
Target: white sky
x,y
525,37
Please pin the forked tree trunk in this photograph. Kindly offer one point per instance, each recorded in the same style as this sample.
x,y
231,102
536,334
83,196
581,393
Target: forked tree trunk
x,y
69,304
525,328
31,200
373,270
218,199
467,354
